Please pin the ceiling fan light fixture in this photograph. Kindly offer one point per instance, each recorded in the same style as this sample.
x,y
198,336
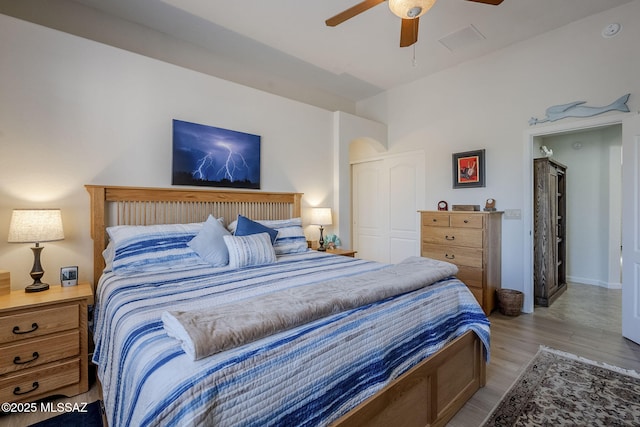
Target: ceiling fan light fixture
x,y
410,9
414,11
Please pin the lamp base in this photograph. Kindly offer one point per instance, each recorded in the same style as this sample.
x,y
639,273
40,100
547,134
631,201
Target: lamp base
x,y
321,248
36,272
36,287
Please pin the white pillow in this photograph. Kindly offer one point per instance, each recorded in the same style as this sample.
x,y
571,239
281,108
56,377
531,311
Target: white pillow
x,y
209,243
108,254
290,239
251,250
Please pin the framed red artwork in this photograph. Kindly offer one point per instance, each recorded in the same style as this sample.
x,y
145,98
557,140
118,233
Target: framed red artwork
x,y
468,169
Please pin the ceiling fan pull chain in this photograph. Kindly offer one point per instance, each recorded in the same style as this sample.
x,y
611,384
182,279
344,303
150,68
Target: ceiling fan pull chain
x,y
413,61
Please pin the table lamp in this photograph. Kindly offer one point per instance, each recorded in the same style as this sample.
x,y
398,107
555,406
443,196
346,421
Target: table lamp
x,y
35,226
321,217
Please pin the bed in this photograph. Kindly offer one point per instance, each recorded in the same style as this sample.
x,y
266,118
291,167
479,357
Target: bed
x,y
412,358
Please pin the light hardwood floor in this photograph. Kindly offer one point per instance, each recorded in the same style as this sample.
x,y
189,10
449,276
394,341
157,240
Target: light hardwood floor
x,y
585,320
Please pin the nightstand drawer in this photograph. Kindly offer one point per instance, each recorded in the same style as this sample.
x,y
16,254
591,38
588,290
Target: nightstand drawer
x,y
38,351
453,236
470,257
31,384
35,323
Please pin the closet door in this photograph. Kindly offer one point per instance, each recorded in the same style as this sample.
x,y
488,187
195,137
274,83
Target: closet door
x,y
369,200
406,198
386,196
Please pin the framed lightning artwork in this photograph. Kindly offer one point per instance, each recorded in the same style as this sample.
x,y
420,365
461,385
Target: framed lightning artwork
x,y
214,157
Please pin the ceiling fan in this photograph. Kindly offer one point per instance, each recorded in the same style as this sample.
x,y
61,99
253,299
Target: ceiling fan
x,y
409,10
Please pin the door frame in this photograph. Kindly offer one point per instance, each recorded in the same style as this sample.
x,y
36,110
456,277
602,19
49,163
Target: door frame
x,y
527,168
630,251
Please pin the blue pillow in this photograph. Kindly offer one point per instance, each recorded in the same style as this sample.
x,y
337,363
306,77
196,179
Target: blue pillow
x,y
209,244
246,227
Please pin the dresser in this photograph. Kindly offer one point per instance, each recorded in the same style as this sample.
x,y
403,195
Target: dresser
x,y
473,242
550,229
44,343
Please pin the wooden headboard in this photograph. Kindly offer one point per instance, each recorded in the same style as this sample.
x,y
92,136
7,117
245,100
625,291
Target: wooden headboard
x,y
112,205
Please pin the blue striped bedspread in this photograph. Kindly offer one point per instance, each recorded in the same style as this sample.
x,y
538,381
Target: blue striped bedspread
x,y
306,376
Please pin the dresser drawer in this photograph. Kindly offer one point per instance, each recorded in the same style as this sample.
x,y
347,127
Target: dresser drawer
x,y
26,325
38,351
471,257
435,219
34,382
467,221
470,276
469,237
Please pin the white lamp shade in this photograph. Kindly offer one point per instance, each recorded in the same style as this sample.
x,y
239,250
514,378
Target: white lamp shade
x,y
321,216
409,9
35,225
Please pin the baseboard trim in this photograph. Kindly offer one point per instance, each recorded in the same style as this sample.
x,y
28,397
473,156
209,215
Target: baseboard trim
x,y
599,283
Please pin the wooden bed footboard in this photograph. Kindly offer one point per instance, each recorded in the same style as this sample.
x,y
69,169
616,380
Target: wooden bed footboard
x,y
431,393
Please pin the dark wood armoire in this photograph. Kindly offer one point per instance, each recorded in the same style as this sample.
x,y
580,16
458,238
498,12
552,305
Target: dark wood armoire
x,y
550,229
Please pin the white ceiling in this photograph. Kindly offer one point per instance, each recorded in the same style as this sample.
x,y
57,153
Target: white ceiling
x,y
360,57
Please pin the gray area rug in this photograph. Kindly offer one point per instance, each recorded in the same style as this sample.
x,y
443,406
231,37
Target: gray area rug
x,y
561,389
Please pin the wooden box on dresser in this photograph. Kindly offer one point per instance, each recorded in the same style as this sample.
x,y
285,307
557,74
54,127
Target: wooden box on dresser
x,y
549,235
472,241
44,343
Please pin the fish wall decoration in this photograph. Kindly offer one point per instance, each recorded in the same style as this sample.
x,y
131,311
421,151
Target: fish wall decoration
x,y
578,109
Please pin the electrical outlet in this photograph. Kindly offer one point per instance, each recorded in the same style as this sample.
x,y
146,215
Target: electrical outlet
x,y
512,214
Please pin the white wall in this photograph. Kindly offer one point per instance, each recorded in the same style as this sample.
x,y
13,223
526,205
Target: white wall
x,y
75,112
350,131
487,103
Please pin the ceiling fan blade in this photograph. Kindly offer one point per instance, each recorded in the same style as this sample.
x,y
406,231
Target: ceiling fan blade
x,y
493,2
409,32
351,12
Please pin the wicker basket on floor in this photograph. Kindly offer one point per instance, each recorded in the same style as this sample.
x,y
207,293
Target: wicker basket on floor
x,y
510,301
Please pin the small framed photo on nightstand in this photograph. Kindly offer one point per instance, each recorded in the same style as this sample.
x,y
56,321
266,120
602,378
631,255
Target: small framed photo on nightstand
x,y
69,276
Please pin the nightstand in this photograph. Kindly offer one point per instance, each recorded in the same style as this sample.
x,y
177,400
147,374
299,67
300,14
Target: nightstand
x,y
44,343
343,252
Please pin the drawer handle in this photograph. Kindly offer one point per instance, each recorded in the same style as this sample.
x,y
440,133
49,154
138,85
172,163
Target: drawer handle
x,y
34,387
450,238
466,221
17,331
17,361
434,220
447,256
